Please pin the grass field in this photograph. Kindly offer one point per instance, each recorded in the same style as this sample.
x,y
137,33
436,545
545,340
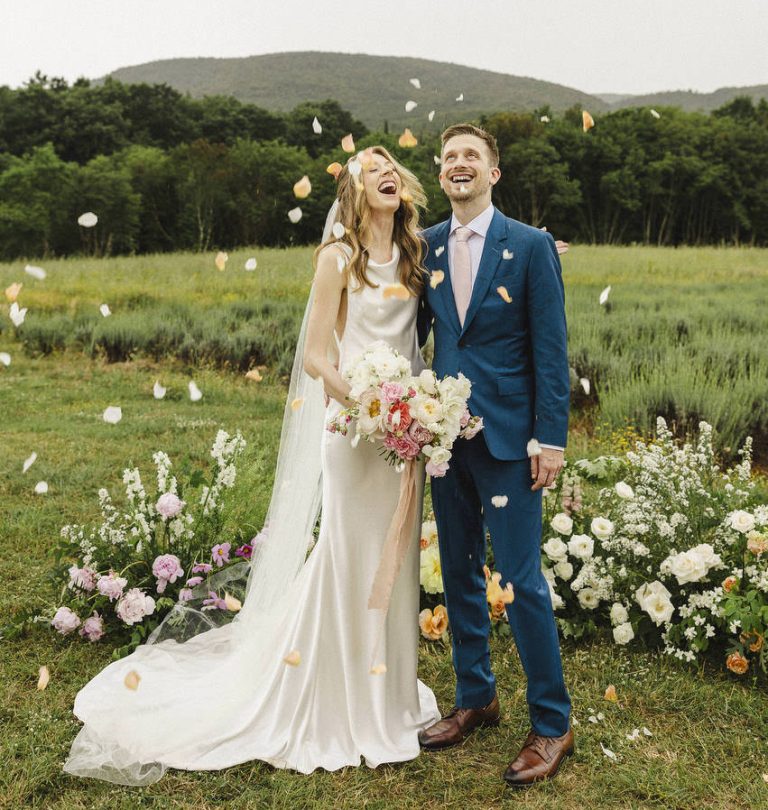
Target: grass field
x,y
709,747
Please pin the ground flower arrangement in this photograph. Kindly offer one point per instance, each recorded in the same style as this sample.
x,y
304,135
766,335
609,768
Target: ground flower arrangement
x,y
130,570
668,549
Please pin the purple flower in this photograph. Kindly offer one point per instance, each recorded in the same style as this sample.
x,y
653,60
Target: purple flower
x,y
134,606
84,578
93,627
220,553
214,602
185,595
111,586
202,568
192,581
244,551
65,621
169,505
166,567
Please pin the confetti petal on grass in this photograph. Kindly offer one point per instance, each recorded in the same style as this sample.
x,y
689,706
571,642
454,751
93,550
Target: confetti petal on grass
x,y
439,250
584,383
502,291
587,121
157,390
610,694
655,114
334,169
17,315
254,375
379,669
41,487
294,215
12,292
88,219
436,278
410,105
609,753
43,677
105,310
297,403
634,735
348,143
407,140
416,83
131,680
232,602
398,291
765,778
507,254
544,119
194,392
338,230
250,264
221,260
5,358
35,272
604,295
113,414
460,97
647,732
431,115
317,127
293,658
500,501
29,461
534,448
302,188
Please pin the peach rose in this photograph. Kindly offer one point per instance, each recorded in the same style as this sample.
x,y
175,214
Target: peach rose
x,y
498,610
754,646
757,543
495,593
737,663
729,583
433,625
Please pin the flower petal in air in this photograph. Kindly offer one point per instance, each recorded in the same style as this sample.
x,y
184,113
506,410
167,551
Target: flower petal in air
x,y
584,383
410,105
29,461
334,169
435,278
194,392
398,291
12,292
338,230
437,160
407,139
544,119
295,215
500,501
302,188
35,272
655,114
16,314
293,659
604,295
460,97
250,264
348,143
431,115
317,127
416,83
87,220
221,260
105,310
507,254
112,415
43,677
131,680
587,121
158,392
5,358
502,291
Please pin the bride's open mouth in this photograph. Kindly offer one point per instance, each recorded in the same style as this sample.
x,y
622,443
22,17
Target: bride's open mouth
x,y
388,187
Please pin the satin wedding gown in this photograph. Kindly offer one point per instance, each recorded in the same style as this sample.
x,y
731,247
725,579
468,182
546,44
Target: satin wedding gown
x,y
226,696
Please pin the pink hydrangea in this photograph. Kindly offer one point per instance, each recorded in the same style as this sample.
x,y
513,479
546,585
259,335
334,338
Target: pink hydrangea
x,y
391,391
93,627
84,578
404,445
111,586
134,606
167,568
220,553
65,621
437,470
169,505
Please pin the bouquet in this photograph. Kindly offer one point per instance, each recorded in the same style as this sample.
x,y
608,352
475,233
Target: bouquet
x,y
412,417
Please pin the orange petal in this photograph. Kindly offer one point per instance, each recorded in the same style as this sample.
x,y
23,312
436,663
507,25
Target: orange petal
x,y
12,292
437,277
131,680
398,291
254,375
587,120
297,403
293,658
502,291
232,602
221,260
334,169
407,139
302,188
348,143
44,676
610,694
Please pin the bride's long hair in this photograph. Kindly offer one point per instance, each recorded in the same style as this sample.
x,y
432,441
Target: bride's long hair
x,y
355,214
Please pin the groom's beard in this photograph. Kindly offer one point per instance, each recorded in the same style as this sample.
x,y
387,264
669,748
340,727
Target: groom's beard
x,y
454,193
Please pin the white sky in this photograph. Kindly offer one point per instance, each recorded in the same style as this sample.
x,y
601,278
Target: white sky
x,y
620,46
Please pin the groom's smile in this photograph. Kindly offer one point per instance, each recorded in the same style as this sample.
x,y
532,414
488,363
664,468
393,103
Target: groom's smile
x,y
466,171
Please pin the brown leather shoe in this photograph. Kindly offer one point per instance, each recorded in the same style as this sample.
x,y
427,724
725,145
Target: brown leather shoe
x,y
539,759
457,724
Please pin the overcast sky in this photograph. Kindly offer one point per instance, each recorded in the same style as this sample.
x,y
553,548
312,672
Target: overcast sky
x,y
619,46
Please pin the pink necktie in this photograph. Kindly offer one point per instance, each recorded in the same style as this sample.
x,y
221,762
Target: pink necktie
x,y
461,272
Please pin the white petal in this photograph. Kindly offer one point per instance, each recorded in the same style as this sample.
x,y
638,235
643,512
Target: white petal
x,y
431,115
592,718
250,264
194,392
604,294
410,105
29,461
655,114
416,83
113,414
338,230
608,753
647,732
35,272
41,487
500,501
544,119
460,97
355,167
44,675
507,254
439,250
105,310
437,160
5,358
317,127
634,735
16,314
158,391
584,382
88,219
294,215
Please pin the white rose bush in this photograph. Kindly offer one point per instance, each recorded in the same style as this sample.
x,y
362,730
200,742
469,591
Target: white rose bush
x,y
118,579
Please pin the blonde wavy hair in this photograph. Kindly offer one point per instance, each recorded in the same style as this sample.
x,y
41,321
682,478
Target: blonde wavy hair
x,y
355,215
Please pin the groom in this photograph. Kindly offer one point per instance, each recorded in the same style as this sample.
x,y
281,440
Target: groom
x,y
498,317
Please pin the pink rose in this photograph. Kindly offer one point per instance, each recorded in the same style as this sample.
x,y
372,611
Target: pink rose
x,y
437,470
65,620
84,578
391,391
420,434
166,567
169,505
93,627
465,417
111,586
405,446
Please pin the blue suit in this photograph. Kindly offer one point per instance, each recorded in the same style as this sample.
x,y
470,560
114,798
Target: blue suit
x,y
515,356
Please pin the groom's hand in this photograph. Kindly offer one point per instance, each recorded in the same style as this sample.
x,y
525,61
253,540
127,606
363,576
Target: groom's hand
x,y
545,467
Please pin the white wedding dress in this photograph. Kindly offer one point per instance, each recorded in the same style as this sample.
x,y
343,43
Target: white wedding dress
x,y
226,696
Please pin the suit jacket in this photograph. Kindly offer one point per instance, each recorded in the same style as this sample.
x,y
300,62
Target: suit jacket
x,y
514,353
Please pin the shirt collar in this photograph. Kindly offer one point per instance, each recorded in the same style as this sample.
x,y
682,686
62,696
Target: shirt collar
x,y
478,225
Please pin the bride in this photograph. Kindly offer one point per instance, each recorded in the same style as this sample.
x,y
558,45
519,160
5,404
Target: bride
x,y
289,681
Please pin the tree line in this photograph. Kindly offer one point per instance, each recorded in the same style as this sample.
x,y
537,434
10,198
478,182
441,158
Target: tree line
x,y
166,172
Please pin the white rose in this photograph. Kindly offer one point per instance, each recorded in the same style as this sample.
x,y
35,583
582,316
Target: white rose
x,y
588,598
741,521
650,590
555,549
564,570
602,528
624,490
437,455
561,523
581,546
707,553
659,608
427,381
623,633
688,566
619,615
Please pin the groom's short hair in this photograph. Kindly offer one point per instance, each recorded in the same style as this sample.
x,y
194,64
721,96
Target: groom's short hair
x,y
471,129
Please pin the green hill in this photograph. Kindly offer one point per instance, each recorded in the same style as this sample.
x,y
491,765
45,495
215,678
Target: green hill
x,y
688,100
373,88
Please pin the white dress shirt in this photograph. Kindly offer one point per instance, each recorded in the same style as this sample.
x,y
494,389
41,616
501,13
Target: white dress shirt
x,y
476,242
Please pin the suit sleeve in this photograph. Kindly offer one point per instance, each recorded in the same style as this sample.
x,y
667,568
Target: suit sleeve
x,y
546,320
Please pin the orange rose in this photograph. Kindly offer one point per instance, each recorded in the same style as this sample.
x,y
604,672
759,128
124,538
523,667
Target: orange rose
x,y
729,583
433,625
737,663
756,645
498,610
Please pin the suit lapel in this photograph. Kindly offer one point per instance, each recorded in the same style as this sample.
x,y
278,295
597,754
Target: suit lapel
x,y
443,293
489,262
